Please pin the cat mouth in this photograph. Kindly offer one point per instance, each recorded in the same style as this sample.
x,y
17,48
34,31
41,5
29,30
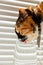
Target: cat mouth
x,y
23,39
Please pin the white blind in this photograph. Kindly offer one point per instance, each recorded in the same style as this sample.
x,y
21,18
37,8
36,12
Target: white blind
x,y
10,53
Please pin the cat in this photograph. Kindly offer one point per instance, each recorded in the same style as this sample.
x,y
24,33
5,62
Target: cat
x,y
29,19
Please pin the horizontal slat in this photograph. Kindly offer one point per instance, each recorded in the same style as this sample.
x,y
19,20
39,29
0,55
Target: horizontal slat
x,y
6,63
7,29
9,41
39,56
9,18
7,57
6,53
25,61
25,49
25,56
35,1
7,35
21,63
6,50
18,3
3,16
10,7
6,19
7,23
7,46
10,63
8,12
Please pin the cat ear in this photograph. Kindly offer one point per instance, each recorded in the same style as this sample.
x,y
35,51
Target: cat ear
x,y
39,8
31,8
21,10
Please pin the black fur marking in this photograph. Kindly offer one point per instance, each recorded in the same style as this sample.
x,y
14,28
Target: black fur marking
x,y
23,38
38,19
39,35
34,29
28,12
